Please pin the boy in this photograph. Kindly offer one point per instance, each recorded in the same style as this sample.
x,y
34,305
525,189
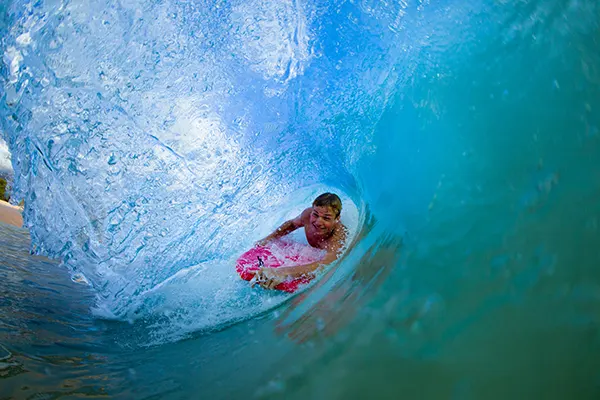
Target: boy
x,y
323,230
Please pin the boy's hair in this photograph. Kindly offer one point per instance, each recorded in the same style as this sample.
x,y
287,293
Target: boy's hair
x,y
329,200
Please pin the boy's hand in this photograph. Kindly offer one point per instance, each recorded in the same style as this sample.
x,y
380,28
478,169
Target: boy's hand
x,y
262,242
268,278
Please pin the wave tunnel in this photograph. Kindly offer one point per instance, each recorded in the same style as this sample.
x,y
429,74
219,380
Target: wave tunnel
x,y
154,141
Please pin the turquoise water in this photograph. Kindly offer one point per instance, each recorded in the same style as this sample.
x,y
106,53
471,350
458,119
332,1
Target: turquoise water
x,y
153,142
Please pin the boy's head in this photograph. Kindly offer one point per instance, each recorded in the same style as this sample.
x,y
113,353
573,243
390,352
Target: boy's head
x,y
329,200
326,212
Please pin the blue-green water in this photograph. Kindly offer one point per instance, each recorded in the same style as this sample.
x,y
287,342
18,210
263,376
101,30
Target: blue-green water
x,y
152,142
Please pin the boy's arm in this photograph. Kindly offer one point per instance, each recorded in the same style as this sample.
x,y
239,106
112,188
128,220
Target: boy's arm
x,y
285,228
333,252
300,270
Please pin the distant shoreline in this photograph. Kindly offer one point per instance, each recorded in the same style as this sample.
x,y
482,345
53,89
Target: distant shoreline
x,y
10,214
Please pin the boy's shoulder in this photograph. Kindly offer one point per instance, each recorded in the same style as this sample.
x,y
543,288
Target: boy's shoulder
x,y
306,214
341,231
303,218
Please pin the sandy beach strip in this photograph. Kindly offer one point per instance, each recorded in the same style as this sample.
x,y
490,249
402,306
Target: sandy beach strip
x,y
10,214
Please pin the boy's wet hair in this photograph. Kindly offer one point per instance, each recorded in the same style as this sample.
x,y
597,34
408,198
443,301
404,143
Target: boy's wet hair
x,y
329,200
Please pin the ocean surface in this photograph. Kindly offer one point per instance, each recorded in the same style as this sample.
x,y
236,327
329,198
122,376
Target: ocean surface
x,y
153,142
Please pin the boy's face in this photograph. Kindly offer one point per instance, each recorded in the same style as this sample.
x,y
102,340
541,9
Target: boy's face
x,y
323,219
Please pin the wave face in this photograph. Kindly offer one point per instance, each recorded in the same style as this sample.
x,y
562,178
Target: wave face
x,y
150,137
153,141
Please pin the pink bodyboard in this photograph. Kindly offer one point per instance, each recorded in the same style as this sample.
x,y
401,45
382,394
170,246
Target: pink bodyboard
x,y
275,255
